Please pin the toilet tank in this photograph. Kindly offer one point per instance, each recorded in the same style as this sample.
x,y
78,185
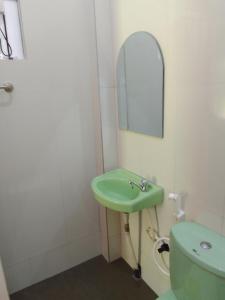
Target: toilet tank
x,y
197,263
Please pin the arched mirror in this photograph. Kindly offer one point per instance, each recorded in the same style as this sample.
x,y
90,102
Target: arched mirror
x,y
140,85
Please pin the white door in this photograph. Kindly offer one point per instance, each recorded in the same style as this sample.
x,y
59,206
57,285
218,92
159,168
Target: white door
x,y
48,219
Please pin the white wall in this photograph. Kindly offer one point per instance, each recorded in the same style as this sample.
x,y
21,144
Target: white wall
x,y
48,218
106,83
190,158
3,289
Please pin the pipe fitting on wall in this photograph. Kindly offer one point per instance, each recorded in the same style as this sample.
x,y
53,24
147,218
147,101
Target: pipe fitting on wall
x,y
179,212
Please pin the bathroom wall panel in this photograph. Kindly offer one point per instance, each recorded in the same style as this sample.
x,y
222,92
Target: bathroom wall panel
x,y
106,82
190,158
199,143
104,42
48,218
148,156
109,127
110,221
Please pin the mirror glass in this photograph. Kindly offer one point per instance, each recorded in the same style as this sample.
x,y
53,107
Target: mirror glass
x,y
140,85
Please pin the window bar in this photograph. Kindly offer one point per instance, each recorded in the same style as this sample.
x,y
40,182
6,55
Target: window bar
x,y
9,50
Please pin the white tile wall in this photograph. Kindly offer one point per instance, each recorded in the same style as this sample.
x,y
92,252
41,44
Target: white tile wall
x,y
48,217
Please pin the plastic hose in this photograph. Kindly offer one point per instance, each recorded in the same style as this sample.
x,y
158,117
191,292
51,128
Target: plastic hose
x,y
155,246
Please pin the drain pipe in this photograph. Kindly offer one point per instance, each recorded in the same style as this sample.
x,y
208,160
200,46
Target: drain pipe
x,y
137,270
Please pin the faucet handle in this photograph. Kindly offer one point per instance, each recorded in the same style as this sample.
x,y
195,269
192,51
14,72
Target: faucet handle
x,y
145,181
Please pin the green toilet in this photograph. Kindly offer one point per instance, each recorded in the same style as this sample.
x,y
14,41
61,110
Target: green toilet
x,y
197,264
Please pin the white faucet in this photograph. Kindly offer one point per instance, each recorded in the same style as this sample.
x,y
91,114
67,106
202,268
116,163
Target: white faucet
x,y
143,185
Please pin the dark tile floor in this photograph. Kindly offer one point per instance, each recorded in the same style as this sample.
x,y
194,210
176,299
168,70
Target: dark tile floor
x,y
92,280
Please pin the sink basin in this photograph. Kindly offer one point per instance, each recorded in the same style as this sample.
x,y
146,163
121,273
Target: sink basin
x,y
113,190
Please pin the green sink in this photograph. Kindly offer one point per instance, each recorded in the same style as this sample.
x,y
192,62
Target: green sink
x,y
114,191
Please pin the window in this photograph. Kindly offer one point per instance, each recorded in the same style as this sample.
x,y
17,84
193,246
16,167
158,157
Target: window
x,y
11,43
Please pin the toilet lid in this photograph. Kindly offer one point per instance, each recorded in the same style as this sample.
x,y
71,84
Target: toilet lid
x,y
204,246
